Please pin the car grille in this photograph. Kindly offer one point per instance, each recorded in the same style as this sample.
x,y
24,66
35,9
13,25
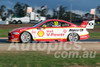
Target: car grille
x,y
9,34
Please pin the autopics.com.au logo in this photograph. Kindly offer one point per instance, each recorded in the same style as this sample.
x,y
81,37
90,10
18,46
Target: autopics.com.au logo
x,y
60,50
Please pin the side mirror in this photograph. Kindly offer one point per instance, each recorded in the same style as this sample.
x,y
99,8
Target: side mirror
x,y
39,28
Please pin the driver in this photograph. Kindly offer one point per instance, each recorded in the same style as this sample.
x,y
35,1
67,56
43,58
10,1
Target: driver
x,y
56,24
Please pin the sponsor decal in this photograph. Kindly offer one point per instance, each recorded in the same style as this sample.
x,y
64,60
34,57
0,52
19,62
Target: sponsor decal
x,y
64,30
14,39
48,31
83,36
75,30
51,33
33,32
40,33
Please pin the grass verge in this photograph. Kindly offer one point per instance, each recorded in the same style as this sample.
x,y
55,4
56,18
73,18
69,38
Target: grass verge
x,y
97,26
36,59
94,35
4,32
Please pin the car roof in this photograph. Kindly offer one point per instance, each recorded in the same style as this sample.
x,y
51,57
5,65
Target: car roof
x,y
58,20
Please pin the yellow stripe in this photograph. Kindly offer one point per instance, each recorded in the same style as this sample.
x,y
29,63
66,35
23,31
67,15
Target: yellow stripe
x,y
13,41
57,28
30,29
57,38
83,34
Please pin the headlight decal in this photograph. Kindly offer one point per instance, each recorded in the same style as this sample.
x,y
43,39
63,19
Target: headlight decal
x,y
15,33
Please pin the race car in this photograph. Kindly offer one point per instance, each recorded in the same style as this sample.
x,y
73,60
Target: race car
x,y
51,30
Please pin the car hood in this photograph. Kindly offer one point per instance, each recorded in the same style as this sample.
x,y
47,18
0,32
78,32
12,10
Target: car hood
x,y
21,29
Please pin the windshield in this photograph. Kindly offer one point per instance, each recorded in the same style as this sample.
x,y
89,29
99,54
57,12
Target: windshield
x,y
37,24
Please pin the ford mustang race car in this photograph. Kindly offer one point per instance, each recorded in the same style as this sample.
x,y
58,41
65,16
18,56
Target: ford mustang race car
x,y
51,30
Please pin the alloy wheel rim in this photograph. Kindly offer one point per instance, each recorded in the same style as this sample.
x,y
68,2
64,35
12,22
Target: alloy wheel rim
x,y
73,37
25,37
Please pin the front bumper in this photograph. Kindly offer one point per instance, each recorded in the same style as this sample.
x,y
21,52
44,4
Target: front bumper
x,y
13,37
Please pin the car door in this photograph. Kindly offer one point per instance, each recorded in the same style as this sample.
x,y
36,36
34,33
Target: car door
x,y
51,30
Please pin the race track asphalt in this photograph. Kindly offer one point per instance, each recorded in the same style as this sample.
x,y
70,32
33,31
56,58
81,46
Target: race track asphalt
x,y
89,45
88,40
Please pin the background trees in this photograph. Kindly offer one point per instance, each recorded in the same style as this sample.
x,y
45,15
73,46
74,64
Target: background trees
x,y
98,9
2,12
59,13
2,9
20,9
62,13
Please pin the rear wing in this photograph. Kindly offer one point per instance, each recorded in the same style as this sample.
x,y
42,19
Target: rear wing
x,y
88,24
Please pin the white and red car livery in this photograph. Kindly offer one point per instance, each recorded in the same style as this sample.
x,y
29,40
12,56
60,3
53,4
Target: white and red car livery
x,y
50,30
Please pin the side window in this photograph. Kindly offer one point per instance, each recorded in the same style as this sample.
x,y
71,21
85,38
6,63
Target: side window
x,y
63,24
60,24
55,24
47,24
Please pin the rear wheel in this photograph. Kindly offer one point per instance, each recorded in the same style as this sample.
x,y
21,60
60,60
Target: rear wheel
x,y
73,37
25,37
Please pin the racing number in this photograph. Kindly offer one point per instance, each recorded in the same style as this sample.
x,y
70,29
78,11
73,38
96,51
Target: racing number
x,y
90,23
55,22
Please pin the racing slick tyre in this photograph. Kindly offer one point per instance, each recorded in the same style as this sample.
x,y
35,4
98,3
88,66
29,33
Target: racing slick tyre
x,y
73,37
14,22
19,22
25,37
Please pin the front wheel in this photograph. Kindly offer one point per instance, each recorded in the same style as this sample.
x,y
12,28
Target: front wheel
x,y
73,37
25,37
